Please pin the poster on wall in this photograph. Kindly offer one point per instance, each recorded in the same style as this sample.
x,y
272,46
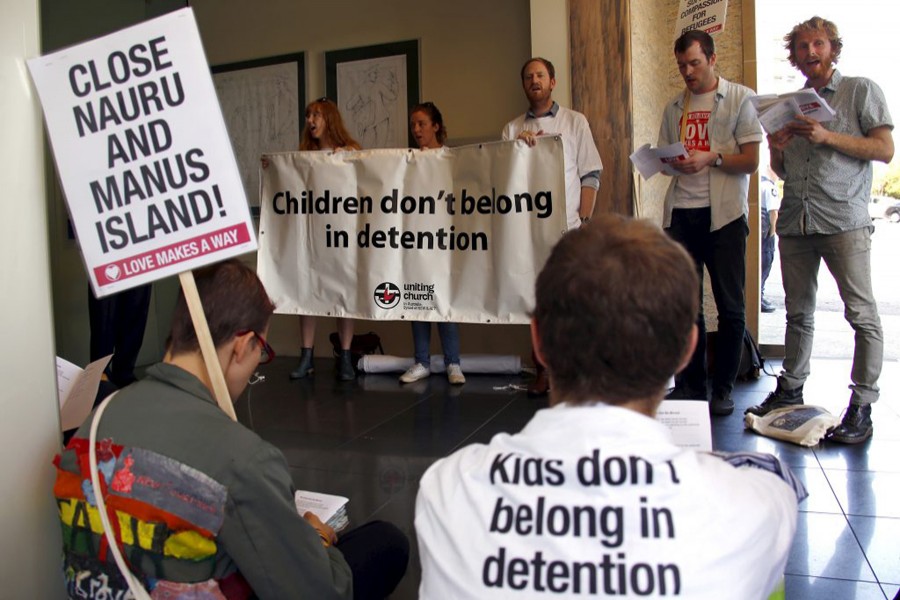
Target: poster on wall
x,y
451,234
374,87
146,164
706,15
262,101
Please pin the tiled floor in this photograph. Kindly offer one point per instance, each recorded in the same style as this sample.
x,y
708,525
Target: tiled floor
x,y
372,439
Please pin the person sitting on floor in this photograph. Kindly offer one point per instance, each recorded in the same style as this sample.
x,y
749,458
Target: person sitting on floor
x,y
203,506
592,497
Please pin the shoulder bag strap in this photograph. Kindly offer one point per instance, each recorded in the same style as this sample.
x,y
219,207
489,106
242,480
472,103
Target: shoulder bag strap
x,y
137,590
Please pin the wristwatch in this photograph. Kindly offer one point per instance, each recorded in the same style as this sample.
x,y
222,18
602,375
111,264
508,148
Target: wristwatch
x,y
718,162
584,219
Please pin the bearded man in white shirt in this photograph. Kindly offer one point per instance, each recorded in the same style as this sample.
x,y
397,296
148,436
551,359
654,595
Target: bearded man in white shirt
x,y
580,156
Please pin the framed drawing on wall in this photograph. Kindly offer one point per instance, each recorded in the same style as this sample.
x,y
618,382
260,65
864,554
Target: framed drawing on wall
x,y
262,102
374,87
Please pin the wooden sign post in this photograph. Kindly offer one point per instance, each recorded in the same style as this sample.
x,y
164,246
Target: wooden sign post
x,y
201,327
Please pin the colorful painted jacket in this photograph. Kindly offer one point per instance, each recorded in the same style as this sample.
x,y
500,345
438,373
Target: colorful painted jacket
x,y
203,507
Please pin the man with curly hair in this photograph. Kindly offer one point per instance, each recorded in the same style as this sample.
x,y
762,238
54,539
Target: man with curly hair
x,y
827,172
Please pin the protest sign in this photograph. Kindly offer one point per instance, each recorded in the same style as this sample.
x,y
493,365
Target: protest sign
x,y
705,15
145,161
453,234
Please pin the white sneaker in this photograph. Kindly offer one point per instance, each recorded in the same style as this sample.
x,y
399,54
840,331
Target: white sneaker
x,y
455,375
414,373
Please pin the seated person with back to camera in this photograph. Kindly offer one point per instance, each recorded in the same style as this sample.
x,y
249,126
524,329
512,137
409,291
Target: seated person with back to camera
x,y
592,496
205,507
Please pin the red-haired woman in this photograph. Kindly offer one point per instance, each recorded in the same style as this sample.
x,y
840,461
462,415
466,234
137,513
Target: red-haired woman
x,y
324,130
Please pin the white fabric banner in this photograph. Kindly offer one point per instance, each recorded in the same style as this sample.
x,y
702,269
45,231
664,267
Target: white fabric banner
x,y
141,147
453,234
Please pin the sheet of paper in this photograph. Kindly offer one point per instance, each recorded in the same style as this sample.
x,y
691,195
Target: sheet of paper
x,y
778,115
645,161
813,105
650,161
323,506
66,374
688,420
763,101
775,112
669,154
77,390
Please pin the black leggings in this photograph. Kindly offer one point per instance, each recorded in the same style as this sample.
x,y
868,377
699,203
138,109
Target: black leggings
x,y
377,553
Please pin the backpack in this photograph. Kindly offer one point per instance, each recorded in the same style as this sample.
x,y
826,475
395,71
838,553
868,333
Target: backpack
x,y
362,344
752,362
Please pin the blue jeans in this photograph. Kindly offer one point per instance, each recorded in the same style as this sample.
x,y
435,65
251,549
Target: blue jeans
x,y
723,252
449,333
848,256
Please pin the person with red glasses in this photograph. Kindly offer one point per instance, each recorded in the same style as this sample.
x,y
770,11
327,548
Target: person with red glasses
x,y
203,506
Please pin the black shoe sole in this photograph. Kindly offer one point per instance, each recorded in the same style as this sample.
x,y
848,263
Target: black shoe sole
x,y
840,439
762,410
297,375
721,411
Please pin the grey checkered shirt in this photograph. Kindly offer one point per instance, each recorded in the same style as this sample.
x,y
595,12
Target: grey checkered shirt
x,y
826,191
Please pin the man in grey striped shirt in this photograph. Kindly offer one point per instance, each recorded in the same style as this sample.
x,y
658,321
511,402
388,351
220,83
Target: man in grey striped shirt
x,y
827,168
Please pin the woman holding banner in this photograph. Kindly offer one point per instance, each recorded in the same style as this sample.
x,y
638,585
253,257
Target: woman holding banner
x,y
427,127
325,131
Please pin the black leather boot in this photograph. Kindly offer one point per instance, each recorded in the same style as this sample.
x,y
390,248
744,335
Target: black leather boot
x,y
343,367
856,426
721,405
306,364
780,398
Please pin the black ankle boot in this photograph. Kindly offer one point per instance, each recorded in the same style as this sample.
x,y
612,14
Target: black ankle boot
x,y
306,364
721,405
780,398
856,426
343,367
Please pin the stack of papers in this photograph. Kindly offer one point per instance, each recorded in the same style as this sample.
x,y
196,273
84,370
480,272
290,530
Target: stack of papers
x,y
650,161
331,510
775,111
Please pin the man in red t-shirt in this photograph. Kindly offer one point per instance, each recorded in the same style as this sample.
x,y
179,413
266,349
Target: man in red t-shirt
x,y
706,205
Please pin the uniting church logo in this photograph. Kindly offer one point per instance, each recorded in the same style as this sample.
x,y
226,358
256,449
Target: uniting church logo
x,y
387,295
